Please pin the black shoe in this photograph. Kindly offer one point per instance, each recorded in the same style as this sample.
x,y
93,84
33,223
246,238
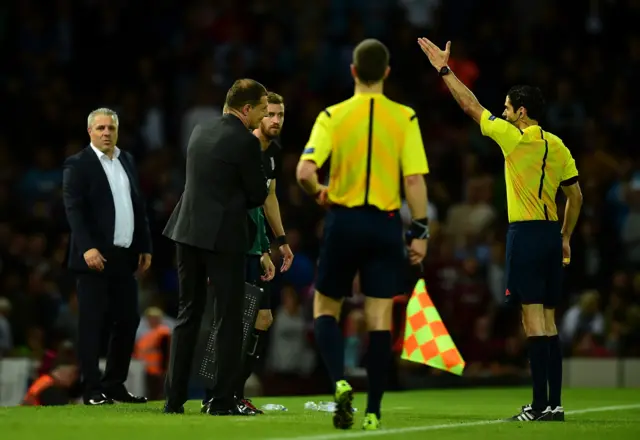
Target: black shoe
x,y
213,411
235,410
169,410
98,399
124,396
245,403
557,414
239,409
528,414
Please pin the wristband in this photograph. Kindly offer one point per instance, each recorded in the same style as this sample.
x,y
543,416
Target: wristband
x,y
419,229
281,240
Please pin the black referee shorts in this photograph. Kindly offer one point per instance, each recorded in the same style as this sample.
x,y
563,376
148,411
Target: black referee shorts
x,y
364,240
253,272
533,266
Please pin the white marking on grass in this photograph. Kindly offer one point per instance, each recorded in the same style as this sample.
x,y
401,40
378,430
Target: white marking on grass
x,y
382,432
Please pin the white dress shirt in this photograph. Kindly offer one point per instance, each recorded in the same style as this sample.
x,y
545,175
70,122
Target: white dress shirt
x,y
121,192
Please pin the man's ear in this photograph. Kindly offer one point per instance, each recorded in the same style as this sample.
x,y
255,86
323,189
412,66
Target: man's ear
x,y
522,113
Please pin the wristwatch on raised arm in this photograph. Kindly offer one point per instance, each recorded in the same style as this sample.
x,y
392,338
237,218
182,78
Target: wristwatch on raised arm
x,y
444,70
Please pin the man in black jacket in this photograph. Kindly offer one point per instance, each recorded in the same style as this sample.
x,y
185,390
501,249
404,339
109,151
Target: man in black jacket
x,y
110,241
224,179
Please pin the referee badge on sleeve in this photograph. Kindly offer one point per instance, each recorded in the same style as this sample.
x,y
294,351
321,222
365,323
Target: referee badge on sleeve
x,y
492,118
308,150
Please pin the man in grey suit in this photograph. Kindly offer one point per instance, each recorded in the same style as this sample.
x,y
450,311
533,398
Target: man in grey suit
x,y
224,178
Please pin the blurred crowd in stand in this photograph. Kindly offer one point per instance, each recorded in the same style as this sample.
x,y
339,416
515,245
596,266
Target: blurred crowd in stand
x,y
166,68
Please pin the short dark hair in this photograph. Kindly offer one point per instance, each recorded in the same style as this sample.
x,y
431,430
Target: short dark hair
x,y
528,97
370,59
274,98
243,92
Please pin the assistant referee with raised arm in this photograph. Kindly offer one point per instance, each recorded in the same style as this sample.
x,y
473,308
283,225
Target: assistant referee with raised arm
x,y
374,143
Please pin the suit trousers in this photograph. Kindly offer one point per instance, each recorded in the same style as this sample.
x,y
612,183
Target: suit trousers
x,y
107,301
226,288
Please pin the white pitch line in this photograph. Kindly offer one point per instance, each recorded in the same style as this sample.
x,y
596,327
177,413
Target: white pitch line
x,y
382,432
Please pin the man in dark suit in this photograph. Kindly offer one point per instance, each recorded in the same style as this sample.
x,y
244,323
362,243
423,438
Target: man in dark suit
x,y
110,241
224,180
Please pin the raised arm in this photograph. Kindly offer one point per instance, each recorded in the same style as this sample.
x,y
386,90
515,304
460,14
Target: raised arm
x,y
463,96
506,135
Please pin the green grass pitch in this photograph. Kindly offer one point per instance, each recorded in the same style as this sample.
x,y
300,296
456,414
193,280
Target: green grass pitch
x,y
612,414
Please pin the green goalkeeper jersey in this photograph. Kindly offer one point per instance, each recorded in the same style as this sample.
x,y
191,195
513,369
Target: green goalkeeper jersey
x,y
261,242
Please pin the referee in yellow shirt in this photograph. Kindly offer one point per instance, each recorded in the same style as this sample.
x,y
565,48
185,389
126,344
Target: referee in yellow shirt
x,y
537,163
374,144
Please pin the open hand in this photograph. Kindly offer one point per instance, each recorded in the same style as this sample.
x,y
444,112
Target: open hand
x,y
438,57
287,257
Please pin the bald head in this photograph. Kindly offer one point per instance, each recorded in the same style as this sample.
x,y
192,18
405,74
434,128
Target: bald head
x,y
247,99
245,92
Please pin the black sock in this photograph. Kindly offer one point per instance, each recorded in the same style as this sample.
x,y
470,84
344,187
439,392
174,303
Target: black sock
x,y
378,365
331,346
555,371
539,360
254,351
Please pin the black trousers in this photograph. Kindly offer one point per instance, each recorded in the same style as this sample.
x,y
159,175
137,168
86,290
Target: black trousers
x,y
107,301
226,288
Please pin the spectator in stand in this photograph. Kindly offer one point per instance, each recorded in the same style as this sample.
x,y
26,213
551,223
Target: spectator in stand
x,y
583,318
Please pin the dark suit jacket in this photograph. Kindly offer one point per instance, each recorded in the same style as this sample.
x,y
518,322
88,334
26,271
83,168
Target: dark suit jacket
x,y
90,208
224,179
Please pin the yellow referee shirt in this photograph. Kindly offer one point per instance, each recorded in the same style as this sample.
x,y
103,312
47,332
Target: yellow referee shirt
x,y
373,142
536,163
